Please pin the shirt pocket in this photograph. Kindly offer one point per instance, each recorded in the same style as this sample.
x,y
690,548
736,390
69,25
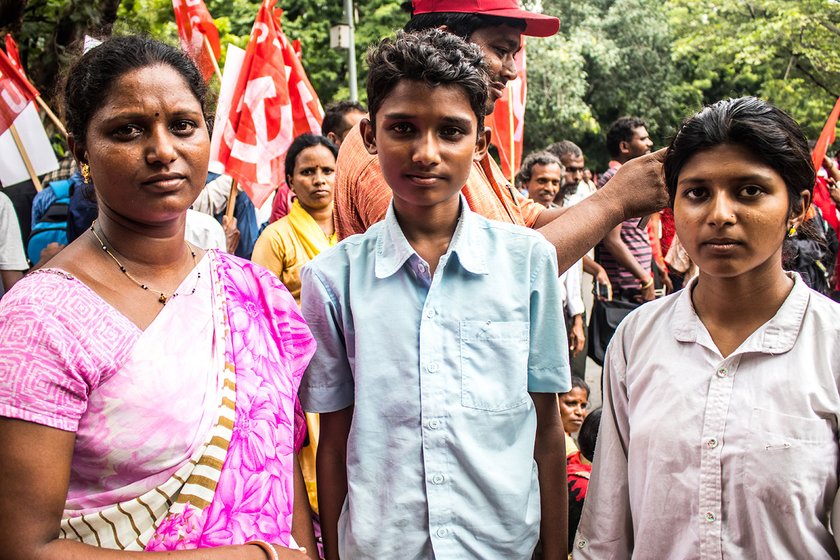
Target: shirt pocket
x,y
789,460
494,364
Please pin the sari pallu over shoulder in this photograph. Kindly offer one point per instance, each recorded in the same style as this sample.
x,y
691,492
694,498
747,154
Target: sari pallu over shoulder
x,y
239,486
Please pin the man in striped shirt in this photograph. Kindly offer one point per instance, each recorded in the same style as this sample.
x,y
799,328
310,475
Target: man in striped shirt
x,y
625,252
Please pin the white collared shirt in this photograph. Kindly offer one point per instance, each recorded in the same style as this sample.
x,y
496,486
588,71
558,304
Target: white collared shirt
x,y
701,456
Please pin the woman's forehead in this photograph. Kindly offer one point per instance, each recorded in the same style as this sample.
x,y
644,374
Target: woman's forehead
x,y
160,83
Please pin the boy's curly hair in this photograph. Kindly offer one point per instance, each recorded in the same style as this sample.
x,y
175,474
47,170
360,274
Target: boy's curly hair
x,y
432,57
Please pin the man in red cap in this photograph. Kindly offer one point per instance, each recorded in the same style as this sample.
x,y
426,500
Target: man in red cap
x,y
362,196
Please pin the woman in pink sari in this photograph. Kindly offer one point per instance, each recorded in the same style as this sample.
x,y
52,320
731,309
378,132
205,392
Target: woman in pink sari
x,y
149,389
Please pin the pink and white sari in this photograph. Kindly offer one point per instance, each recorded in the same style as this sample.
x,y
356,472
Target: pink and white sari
x,y
186,431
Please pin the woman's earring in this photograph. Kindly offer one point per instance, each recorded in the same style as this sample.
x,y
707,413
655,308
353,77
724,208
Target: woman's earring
x,y
85,168
792,230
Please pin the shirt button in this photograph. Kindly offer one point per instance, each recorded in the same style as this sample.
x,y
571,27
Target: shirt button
x,y
442,532
421,268
711,443
434,424
438,479
722,372
432,367
430,313
710,516
581,543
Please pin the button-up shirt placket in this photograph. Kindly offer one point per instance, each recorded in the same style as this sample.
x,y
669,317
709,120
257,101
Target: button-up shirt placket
x,y
436,381
711,468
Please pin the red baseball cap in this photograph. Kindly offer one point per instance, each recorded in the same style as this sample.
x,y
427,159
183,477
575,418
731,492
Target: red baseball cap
x,y
536,25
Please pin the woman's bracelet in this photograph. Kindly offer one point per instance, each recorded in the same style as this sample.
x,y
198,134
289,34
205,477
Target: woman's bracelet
x,y
647,284
267,548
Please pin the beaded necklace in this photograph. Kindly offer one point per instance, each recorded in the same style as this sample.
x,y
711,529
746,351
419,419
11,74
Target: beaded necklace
x,y
163,299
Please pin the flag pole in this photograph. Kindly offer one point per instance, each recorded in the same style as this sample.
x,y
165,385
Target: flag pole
x,y
231,199
26,161
512,141
51,115
212,57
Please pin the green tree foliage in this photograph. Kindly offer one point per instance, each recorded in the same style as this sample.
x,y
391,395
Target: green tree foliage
x,y
780,50
611,58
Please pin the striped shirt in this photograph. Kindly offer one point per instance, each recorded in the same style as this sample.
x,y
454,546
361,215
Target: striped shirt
x,y
637,242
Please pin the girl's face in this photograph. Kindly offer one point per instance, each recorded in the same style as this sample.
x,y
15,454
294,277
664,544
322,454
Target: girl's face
x,y
573,409
731,212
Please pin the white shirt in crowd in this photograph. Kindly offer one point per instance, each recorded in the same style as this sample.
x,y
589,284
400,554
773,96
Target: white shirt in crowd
x,y
204,231
12,254
570,290
701,456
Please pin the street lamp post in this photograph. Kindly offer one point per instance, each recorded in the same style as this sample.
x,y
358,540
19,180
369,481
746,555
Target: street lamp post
x,y
351,50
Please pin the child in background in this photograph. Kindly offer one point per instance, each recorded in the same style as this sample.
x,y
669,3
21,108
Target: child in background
x,y
579,468
440,348
573,413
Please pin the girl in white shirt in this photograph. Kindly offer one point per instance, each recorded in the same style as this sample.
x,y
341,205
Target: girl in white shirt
x,y
721,402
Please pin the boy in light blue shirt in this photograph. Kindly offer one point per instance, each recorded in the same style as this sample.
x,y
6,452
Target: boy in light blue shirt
x,y
441,342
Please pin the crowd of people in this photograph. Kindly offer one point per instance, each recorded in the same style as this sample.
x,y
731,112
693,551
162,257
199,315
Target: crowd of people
x,y
389,359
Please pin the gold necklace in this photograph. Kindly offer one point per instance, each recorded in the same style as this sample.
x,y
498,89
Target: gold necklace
x,y
163,297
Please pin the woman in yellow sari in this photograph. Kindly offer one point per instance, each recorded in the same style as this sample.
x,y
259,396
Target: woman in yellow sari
x,y
295,239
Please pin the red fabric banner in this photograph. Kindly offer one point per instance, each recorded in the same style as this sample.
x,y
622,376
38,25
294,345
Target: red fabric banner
x,y
194,24
827,137
307,112
273,102
11,68
15,93
507,123
14,54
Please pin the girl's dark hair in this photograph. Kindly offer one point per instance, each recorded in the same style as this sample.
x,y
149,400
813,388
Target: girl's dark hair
x,y
90,79
301,143
588,434
432,57
766,131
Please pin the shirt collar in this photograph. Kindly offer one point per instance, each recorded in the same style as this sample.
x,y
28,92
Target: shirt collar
x,y
776,336
393,249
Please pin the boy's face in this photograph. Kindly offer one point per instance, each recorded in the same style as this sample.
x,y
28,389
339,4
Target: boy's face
x,y
426,142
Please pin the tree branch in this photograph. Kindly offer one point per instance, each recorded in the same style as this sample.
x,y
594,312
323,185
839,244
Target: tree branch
x,y
830,26
816,80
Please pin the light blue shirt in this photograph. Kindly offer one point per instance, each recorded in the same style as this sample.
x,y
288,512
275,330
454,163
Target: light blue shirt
x,y
440,456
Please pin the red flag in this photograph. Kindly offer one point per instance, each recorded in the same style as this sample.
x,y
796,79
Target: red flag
x,y
13,54
15,93
507,123
826,138
194,24
267,109
14,72
306,108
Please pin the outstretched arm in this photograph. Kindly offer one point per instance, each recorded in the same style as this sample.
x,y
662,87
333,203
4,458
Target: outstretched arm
x,y
636,190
